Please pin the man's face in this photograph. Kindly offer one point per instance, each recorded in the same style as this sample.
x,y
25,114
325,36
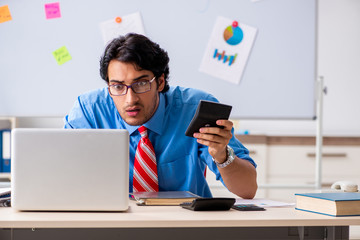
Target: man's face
x,y
135,109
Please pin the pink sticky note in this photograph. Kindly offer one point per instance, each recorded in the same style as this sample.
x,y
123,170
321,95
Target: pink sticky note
x,y
52,10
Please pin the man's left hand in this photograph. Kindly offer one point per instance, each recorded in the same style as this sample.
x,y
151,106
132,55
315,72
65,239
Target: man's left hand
x,y
216,139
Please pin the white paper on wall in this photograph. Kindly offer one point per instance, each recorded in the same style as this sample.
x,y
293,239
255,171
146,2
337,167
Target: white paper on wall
x,y
130,23
228,50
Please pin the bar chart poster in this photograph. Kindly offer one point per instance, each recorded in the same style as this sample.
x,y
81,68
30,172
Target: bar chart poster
x,y
228,50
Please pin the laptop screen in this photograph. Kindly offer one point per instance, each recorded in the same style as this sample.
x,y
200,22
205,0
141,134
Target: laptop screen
x,y
70,169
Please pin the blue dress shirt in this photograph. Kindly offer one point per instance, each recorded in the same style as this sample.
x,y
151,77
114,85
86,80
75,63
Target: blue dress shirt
x,y
181,161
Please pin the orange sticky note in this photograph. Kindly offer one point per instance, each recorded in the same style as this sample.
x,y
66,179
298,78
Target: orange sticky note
x,y
5,14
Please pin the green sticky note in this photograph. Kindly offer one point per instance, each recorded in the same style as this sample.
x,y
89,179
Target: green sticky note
x,y
62,55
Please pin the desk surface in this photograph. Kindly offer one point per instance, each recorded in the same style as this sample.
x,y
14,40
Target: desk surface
x,y
168,216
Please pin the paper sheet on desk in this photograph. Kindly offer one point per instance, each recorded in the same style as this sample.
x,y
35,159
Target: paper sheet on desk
x,y
265,203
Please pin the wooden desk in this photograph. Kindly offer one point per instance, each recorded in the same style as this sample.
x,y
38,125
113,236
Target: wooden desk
x,y
167,222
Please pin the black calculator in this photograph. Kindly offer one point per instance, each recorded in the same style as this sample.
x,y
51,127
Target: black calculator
x,y
247,207
209,204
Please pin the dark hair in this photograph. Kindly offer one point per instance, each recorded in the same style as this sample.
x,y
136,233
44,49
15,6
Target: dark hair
x,y
138,50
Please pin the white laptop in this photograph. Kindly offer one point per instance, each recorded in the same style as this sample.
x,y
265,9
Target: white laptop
x,y
70,169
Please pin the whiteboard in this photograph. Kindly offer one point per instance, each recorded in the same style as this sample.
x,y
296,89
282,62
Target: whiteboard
x,y
278,82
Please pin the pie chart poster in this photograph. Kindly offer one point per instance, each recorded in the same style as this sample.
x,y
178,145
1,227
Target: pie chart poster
x,y
228,50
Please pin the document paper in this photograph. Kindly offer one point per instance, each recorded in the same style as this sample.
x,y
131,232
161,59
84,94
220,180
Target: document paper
x,y
130,23
228,50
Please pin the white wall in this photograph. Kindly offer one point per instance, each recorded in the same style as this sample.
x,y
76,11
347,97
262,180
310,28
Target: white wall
x,y
338,62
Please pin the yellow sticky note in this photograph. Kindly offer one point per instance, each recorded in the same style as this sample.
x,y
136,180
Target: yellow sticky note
x,y
62,55
5,14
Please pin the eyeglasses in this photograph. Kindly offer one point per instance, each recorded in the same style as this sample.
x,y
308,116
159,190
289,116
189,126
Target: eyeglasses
x,y
137,87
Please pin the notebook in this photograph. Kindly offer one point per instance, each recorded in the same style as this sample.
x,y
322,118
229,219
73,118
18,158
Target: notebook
x,y
166,198
70,169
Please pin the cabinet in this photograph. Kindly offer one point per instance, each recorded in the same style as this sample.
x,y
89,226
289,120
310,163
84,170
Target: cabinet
x,y
291,160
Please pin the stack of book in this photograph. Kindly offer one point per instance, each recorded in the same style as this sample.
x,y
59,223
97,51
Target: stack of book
x,y
5,197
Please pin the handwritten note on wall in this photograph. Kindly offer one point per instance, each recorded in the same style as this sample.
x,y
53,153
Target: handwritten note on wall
x,y
129,23
62,55
52,10
5,14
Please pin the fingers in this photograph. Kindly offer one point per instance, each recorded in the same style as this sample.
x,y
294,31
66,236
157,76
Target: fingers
x,y
216,138
215,134
226,123
223,132
208,139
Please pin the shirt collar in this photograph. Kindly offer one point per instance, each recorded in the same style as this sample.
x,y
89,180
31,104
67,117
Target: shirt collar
x,y
155,123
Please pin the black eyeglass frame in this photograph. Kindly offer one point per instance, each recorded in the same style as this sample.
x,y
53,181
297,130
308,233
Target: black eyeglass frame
x,y
131,86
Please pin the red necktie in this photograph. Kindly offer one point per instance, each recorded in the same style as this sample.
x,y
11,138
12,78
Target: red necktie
x,y
145,169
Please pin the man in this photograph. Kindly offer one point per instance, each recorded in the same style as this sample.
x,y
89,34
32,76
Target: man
x,y
138,94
